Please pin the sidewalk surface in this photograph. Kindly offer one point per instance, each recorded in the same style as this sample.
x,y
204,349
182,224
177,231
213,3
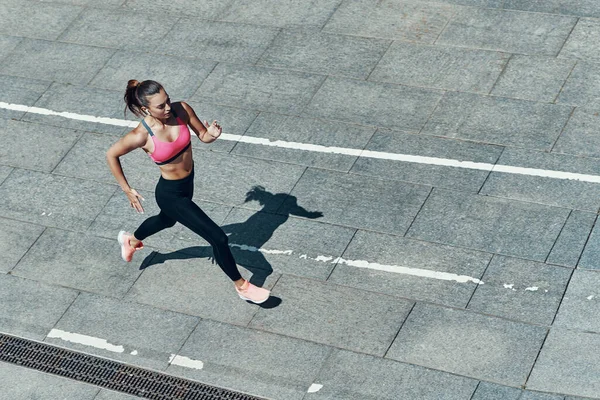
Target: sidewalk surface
x,y
423,201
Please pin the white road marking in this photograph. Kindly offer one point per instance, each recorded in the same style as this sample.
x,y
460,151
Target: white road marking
x,y
532,289
447,162
85,340
185,362
314,388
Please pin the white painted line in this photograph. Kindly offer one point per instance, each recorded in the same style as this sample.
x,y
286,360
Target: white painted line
x,y
532,289
185,362
314,388
447,162
85,340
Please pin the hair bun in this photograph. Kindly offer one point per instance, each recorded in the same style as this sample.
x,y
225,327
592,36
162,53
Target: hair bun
x,y
133,83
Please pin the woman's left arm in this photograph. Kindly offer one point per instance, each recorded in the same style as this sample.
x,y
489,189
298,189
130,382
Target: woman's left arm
x,y
206,135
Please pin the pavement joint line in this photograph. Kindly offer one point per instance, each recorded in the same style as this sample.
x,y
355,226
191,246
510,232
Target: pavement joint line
x,y
445,162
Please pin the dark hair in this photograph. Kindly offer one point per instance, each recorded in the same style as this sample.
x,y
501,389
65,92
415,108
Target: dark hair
x,y
136,95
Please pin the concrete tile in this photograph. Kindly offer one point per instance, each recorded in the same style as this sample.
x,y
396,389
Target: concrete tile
x,y
103,4
528,395
313,132
25,136
380,251
99,268
474,3
567,364
324,53
287,245
24,383
591,252
4,173
52,200
104,394
191,284
21,91
36,19
581,136
521,290
360,321
567,193
125,65
492,391
581,43
7,44
581,89
117,29
581,302
259,89
219,41
15,239
273,366
349,375
210,9
389,19
490,224
30,309
358,201
150,333
426,146
581,8
533,78
439,67
283,13
468,344
371,103
55,61
497,120
509,31
572,239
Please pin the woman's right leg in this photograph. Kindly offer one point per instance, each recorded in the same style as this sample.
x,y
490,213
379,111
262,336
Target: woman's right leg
x,y
153,225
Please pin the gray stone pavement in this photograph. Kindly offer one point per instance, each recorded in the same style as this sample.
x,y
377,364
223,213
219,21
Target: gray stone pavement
x,y
397,279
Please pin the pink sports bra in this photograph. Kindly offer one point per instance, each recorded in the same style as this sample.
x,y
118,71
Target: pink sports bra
x,y
165,152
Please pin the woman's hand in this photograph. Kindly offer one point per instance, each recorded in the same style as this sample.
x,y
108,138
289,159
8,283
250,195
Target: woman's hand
x,y
134,199
214,130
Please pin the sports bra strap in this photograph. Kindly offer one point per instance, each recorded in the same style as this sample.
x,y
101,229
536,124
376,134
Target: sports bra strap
x,y
147,128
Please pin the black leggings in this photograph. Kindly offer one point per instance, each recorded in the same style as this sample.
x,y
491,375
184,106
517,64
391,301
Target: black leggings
x,y
174,197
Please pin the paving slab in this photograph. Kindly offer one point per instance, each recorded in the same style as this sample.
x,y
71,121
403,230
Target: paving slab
x,y
98,269
104,394
581,136
386,206
389,19
396,142
534,78
15,239
492,391
193,285
529,395
589,258
4,173
309,131
468,344
498,120
126,65
103,4
52,200
567,364
581,88
22,91
568,193
440,67
282,13
581,302
29,308
348,375
572,239
211,9
25,136
373,103
7,44
361,321
483,223
521,290
220,41
258,88
114,28
24,383
324,53
508,31
250,361
55,61
151,334
581,44
34,19
378,250
581,8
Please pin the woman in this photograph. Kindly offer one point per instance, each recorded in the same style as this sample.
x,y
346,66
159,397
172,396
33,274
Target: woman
x,y
164,135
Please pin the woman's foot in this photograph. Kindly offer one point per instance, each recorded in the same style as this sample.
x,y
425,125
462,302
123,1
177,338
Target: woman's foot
x,y
127,249
252,293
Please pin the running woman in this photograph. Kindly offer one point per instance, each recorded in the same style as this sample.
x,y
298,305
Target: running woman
x,y
164,135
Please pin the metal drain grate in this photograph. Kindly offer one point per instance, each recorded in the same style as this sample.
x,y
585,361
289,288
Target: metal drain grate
x,y
107,373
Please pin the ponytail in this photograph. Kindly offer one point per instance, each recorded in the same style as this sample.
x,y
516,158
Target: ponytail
x,y
136,95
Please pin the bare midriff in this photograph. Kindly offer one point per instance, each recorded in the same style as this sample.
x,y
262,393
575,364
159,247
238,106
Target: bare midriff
x,y
179,168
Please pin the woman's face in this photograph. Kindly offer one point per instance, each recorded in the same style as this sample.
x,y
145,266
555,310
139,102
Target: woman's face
x,y
159,105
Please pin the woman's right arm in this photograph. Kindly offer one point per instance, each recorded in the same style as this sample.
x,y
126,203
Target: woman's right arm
x,y
133,140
